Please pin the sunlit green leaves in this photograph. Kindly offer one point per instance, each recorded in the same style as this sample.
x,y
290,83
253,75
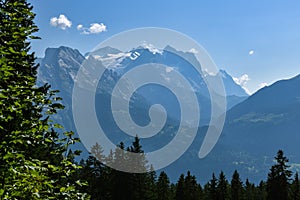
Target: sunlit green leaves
x,y
33,161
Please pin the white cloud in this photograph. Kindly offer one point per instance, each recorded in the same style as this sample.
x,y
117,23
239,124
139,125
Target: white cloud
x,y
192,50
79,27
247,90
94,28
261,85
242,81
61,22
251,52
97,28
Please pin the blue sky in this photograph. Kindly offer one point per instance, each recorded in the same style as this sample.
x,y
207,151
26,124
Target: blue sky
x,y
228,30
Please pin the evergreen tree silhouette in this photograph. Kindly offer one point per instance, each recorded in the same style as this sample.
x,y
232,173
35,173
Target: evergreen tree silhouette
x,y
236,186
278,178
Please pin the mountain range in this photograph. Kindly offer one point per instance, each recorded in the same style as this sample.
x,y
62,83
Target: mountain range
x,y
256,126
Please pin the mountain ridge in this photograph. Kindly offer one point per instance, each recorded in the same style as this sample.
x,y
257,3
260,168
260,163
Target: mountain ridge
x,y
250,125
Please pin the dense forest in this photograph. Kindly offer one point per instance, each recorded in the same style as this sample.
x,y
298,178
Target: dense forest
x,y
106,183
35,157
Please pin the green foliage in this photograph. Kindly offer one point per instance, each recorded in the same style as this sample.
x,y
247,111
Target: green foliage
x,y
152,189
188,188
222,187
249,191
32,164
295,188
180,188
236,186
278,178
107,183
193,190
37,163
163,187
261,191
212,188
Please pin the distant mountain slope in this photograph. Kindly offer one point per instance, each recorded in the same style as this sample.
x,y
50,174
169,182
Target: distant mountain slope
x,y
271,114
281,96
254,131
258,127
104,52
60,66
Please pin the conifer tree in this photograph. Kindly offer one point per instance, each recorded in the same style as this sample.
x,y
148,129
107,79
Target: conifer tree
x,y
213,188
192,190
163,187
236,186
121,188
222,187
180,188
278,178
151,193
261,193
295,192
138,181
130,185
249,190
